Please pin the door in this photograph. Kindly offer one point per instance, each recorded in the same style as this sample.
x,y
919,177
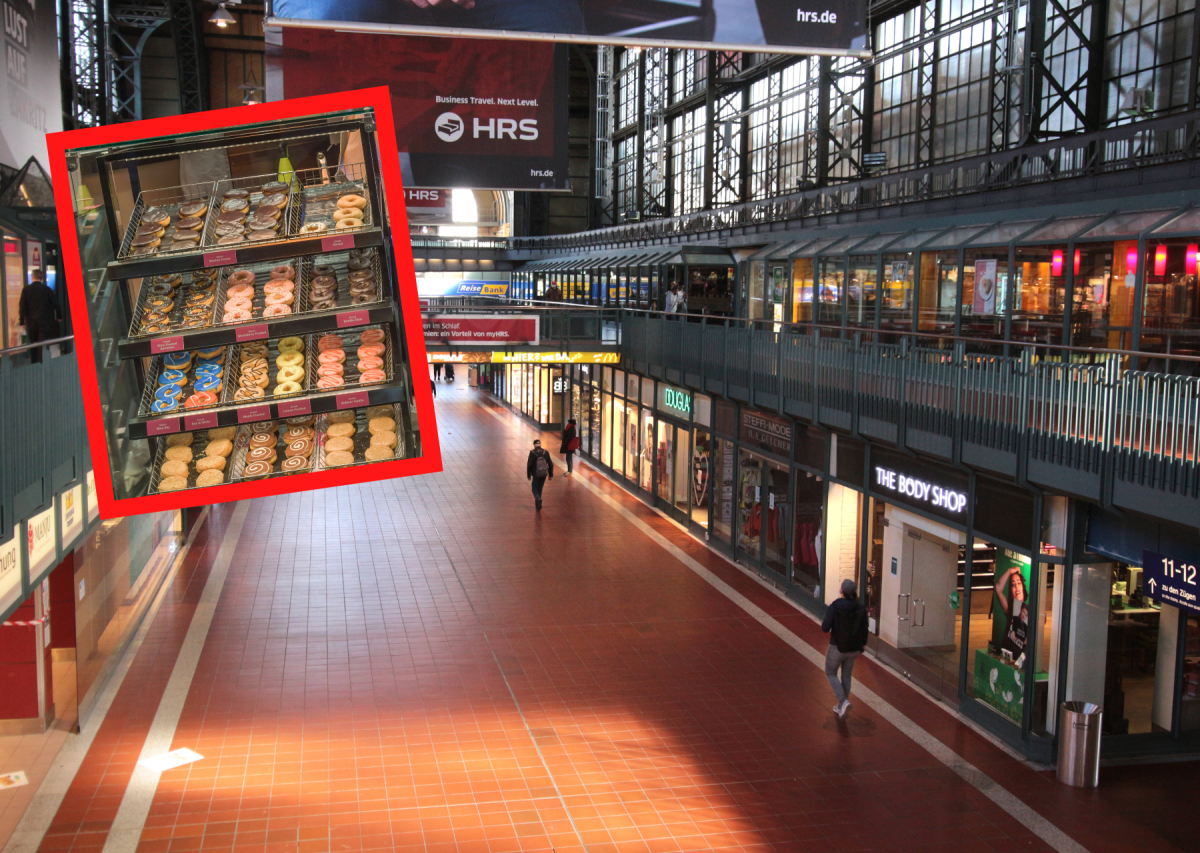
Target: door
x,y
778,294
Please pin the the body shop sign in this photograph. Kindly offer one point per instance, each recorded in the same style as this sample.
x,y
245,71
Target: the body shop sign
x,y
771,434
10,571
911,481
39,534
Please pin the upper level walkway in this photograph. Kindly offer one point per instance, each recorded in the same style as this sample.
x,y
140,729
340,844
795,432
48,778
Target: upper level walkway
x,y
429,664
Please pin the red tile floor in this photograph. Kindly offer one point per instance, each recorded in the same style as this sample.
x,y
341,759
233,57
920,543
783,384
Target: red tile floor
x,y
429,665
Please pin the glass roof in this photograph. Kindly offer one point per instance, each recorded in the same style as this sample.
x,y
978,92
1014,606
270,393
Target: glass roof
x,y
1187,222
1002,233
956,237
1060,229
913,240
874,243
1126,224
829,245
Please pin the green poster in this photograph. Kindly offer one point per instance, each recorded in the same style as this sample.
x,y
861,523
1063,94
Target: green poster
x,y
1010,609
999,685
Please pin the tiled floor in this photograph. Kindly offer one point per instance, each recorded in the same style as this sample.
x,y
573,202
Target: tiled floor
x,y
429,665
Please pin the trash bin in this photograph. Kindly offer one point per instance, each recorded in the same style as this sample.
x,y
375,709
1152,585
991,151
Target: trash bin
x,y
1079,744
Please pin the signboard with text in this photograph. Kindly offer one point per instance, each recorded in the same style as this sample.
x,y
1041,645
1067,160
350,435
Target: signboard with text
x,y
40,541
1172,579
932,488
765,432
488,330
30,99
10,571
528,357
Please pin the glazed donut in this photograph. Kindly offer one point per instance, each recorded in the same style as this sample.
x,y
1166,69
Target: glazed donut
x,y
370,349
330,382
284,298
252,393
240,290
372,376
370,363
350,223
332,356
279,286
290,373
313,228
291,344
348,201
330,370
277,311
346,213
237,316
289,358
287,388
283,271
241,277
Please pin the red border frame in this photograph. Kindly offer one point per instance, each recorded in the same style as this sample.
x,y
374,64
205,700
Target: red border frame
x,y
58,144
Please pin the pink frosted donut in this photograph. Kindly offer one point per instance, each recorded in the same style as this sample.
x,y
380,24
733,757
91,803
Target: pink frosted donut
x,y
240,290
369,350
241,277
330,382
371,362
372,336
239,301
332,356
330,370
238,316
280,299
372,376
329,342
276,311
279,286
283,271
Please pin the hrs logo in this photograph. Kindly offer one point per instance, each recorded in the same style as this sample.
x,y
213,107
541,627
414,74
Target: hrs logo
x,y
450,128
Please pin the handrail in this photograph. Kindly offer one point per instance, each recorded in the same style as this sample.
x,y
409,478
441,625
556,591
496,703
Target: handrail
x,y
26,347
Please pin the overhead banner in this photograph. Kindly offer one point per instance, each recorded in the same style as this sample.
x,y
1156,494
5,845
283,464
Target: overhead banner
x,y
782,26
31,97
479,114
474,329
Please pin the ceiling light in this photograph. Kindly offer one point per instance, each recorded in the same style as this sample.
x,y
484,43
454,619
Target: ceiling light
x,y
222,18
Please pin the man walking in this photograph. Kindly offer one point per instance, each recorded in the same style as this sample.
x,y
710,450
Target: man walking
x,y
537,469
437,370
38,311
846,624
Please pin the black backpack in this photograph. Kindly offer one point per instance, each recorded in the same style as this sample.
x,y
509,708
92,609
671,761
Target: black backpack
x,y
541,465
850,629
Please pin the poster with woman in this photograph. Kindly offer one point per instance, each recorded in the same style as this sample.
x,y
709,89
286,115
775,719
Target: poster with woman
x,y
1010,610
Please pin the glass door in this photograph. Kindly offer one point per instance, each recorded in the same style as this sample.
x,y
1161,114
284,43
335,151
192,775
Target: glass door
x,y
777,517
750,521
778,295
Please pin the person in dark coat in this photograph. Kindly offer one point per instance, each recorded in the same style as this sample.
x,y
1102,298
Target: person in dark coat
x,y
39,312
846,624
570,443
538,469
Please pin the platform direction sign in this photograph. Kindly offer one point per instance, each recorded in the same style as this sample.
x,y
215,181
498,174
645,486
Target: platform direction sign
x,y
1171,580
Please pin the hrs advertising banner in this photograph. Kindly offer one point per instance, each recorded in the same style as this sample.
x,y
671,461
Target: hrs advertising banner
x,y
30,99
783,26
480,114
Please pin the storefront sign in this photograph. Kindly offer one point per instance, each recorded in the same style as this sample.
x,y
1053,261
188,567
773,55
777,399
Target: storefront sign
x,y
674,401
93,506
70,509
477,288
768,433
466,329
920,491
427,199
10,570
39,536
1172,580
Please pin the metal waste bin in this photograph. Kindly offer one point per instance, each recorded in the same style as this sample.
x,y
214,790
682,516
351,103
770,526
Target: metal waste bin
x,y
1079,744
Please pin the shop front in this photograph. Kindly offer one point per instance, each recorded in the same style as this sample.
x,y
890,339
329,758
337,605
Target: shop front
x,y
536,391
763,498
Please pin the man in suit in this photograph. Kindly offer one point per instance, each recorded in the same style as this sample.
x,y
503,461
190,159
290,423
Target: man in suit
x,y
39,312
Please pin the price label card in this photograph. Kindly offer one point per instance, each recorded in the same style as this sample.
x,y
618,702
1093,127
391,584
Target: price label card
x,y
162,426
352,400
208,420
295,408
220,259
249,414
337,242
257,332
353,318
174,343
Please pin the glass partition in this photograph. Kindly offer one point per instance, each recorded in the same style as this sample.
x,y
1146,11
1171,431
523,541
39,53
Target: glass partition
x,y
861,290
829,297
1171,308
802,290
1102,295
1041,294
896,310
939,292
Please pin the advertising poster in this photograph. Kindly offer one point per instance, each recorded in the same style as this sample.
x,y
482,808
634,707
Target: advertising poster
x,y
475,329
40,536
985,287
71,511
10,571
30,99
785,26
479,114
999,678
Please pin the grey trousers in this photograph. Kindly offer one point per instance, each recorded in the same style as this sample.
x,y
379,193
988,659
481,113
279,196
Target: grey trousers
x,y
845,660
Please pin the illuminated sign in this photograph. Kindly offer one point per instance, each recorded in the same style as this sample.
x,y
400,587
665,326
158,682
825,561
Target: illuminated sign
x,y
920,491
674,401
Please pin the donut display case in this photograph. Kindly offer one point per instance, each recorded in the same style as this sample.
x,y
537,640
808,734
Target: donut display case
x,y
253,314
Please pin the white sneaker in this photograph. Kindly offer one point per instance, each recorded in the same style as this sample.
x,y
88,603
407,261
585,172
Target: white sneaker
x,y
837,709
845,706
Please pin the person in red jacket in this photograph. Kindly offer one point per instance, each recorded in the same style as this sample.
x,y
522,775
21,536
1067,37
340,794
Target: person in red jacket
x,y
570,443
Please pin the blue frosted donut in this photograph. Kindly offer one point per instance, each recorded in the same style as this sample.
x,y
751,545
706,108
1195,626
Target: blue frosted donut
x,y
167,392
210,367
208,383
172,377
216,353
161,406
177,359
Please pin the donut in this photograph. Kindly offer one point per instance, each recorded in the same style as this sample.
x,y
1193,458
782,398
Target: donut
x,y
172,484
276,311
210,463
241,277
380,412
208,383
338,458
290,373
168,394
232,204
346,429
236,193
263,426
350,223
313,228
180,439
328,342
369,376
259,225
371,336
136,251
189,223
254,470
172,377
211,477
323,304
162,406
343,417
279,286
184,239
262,454
193,208
266,211
262,439
244,393
371,362
275,187
300,420
326,382
295,463
230,217
239,303
290,357
376,452
348,201
370,349
284,298
291,344
346,213
217,433
238,315
199,399
276,199
240,289
299,447
285,388
215,352
359,263
220,447
330,370
178,360
339,443
332,356
381,425
181,454
201,299
387,439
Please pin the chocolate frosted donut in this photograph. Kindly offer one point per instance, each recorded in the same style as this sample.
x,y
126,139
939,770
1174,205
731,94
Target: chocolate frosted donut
x,y
295,463
229,216
156,214
254,470
299,447
190,223
236,193
231,239
193,208
267,211
262,454
235,204
274,187
276,199
322,269
359,263
262,439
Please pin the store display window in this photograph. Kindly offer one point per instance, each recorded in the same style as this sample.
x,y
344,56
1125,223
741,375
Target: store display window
x,y
985,293
1102,294
672,475
722,474
1041,294
861,291
808,513
710,289
14,281
830,289
646,448
896,307
699,476
755,300
841,539
802,290
938,301
1171,307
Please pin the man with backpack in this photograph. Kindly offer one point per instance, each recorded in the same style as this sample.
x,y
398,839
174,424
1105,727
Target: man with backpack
x,y
846,624
537,469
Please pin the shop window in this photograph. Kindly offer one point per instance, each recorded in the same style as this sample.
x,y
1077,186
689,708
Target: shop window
x,y
700,471
673,467
776,516
632,454
802,290
829,296
808,514
896,310
860,291
591,401
999,627
754,296
646,450
702,409
939,292
1041,294
985,293
1102,294
777,294
611,429
13,282
1171,318
1189,710
721,472
710,290
631,387
841,539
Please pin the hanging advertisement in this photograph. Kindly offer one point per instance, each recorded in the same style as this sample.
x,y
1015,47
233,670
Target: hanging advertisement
x,y
30,100
479,114
781,26
93,508
40,540
985,287
10,571
71,515
999,675
481,329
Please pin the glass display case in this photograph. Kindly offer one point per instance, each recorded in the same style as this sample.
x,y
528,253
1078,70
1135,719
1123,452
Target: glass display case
x,y
242,298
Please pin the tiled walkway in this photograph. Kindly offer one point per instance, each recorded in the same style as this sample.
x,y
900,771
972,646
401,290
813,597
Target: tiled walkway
x,y
430,665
